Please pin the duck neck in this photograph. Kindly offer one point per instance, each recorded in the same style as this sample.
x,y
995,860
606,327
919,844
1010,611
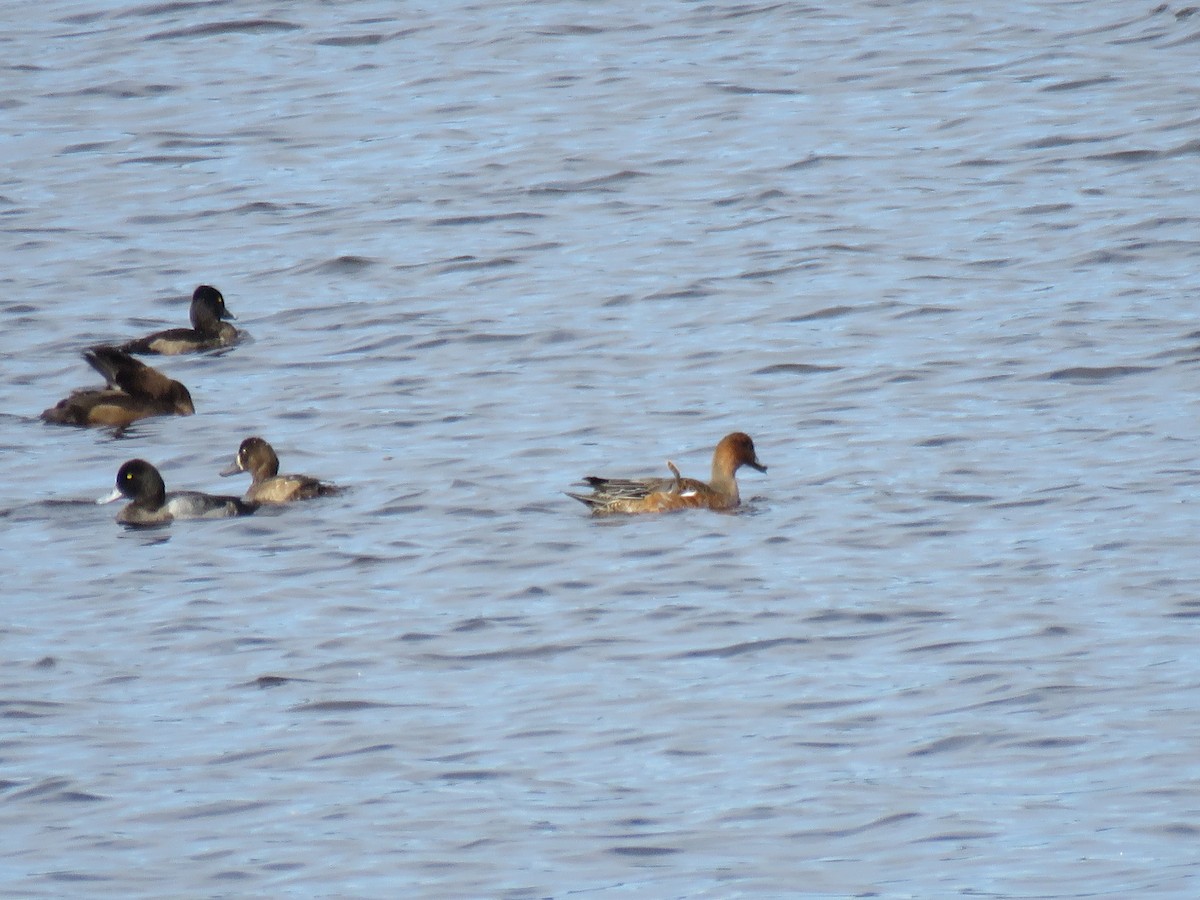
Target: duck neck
x,y
268,466
206,323
153,496
723,481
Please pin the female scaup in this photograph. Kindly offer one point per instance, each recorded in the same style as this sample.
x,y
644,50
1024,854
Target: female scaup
x,y
208,331
141,483
134,391
258,458
650,495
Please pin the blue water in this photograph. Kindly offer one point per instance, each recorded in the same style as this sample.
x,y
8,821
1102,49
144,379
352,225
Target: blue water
x,y
940,261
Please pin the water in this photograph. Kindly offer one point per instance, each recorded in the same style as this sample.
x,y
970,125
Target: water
x,y
940,261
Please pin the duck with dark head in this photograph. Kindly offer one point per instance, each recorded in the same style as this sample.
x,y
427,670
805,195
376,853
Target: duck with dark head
x,y
209,329
150,504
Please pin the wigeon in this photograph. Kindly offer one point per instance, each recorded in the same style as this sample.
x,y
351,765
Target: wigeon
x,y
134,391
651,495
258,458
208,331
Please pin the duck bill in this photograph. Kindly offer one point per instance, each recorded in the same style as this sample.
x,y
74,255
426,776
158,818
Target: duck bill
x,y
109,498
234,469
755,464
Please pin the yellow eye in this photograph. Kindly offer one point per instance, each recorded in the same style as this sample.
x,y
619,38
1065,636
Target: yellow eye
x,y
129,476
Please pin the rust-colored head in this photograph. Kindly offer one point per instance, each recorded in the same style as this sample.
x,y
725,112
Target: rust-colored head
x,y
736,450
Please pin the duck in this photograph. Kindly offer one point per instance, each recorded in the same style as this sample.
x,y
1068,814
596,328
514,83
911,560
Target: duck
x,y
208,331
141,483
258,458
133,391
652,495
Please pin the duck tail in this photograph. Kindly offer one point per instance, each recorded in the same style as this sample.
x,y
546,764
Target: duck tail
x,y
589,501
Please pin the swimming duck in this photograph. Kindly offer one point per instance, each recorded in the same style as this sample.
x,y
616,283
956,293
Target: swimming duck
x,y
258,458
651,495
134,391
208,331
141,483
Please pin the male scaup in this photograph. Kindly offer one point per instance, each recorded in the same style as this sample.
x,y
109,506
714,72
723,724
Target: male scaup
x,y
134,391
651,495
141,483
258,458
208,331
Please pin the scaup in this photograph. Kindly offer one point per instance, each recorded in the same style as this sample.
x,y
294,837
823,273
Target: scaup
x,y
208,331
134,391
141,483
258,458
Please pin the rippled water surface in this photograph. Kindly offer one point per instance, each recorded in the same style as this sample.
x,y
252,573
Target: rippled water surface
x,y
941,260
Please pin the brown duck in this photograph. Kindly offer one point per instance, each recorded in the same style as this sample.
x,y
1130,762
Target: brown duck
x,y
208,331
652,495
258,458
133,391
